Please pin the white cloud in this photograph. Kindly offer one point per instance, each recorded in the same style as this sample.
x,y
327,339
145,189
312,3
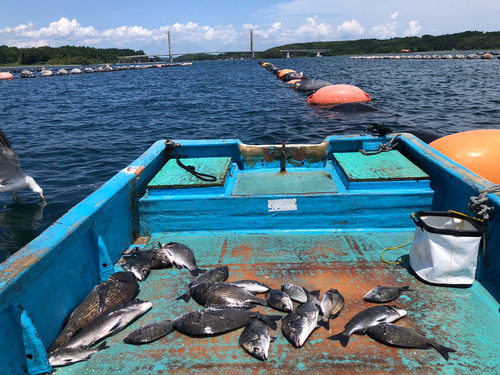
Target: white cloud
x,y
413,28
350,30
248,26
387,30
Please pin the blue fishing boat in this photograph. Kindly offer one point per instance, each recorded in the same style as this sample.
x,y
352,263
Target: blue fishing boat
x,y
315,215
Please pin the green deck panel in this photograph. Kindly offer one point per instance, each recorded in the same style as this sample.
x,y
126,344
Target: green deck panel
x,y
385,166
272,183
465,319
173,176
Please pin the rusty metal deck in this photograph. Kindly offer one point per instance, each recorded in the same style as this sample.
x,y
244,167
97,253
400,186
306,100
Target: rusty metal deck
x,y
466,320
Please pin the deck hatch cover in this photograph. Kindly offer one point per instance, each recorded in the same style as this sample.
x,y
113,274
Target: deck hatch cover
x,y
386,166
173,176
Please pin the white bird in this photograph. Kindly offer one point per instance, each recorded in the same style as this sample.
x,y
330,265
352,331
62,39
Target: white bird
x,y
12,178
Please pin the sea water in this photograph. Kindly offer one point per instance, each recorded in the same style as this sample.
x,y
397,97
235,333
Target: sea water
x,y
75,132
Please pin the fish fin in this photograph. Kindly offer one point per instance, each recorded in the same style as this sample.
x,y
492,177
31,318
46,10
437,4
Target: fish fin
x,y
443,350
324,323
186,297
103,293
315,293
202,271
406,288
115,327
342,337
273,338
270,320
102,346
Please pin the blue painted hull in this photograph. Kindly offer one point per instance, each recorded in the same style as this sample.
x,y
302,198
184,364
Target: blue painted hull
x,y
307,225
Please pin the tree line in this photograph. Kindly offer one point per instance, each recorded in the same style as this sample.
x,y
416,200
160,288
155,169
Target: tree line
x,y
66,55
69,55
465,41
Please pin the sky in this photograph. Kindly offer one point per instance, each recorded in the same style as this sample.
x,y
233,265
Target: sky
x,y
216,25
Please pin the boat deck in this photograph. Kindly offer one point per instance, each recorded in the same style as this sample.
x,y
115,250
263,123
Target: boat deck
x,y
465,319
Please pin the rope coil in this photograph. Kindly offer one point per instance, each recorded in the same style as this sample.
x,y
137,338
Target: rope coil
x,y
171,146
384,147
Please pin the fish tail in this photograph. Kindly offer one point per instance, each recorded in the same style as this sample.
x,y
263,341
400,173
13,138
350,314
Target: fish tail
x,y
342,337
195,272
407,288
325,323
186,297
202,270
443,350
270,320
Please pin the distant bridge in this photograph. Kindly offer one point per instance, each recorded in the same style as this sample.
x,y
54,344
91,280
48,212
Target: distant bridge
x,y
170,54
184,53
316,51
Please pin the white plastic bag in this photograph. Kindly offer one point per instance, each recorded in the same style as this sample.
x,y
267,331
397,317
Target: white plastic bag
x,y
445,247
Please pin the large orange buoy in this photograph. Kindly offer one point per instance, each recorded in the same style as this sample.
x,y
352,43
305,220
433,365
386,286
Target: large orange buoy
x,y
476,150
336,94
6,75
282,72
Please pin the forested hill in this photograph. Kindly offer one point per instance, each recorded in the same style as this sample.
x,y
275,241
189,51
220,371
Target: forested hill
x,y
465,41
66,55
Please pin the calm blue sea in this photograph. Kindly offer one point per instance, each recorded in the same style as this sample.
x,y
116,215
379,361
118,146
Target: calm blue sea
x,y
74,132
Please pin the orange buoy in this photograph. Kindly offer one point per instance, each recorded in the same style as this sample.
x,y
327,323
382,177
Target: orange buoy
x,y
476,150
282,72
5,76
336,94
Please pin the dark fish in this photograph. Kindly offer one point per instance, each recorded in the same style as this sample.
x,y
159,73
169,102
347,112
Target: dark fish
x,y
211,276
253,286
299,324
149,332
109,323
382,294
402,337
154,257
208,322
256,339
180,255
118,288
138,264
296,293
331,305
279,300
224,295
67,356
367,318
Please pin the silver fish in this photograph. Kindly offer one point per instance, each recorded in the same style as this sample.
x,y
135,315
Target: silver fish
x,y
224,295
109,323
367,318
295,292
67,356
252,286
138,266
180,255
256,339
279,300
402,337
382,294
211,276
208,322
120,287
331,305
149,332
299,324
